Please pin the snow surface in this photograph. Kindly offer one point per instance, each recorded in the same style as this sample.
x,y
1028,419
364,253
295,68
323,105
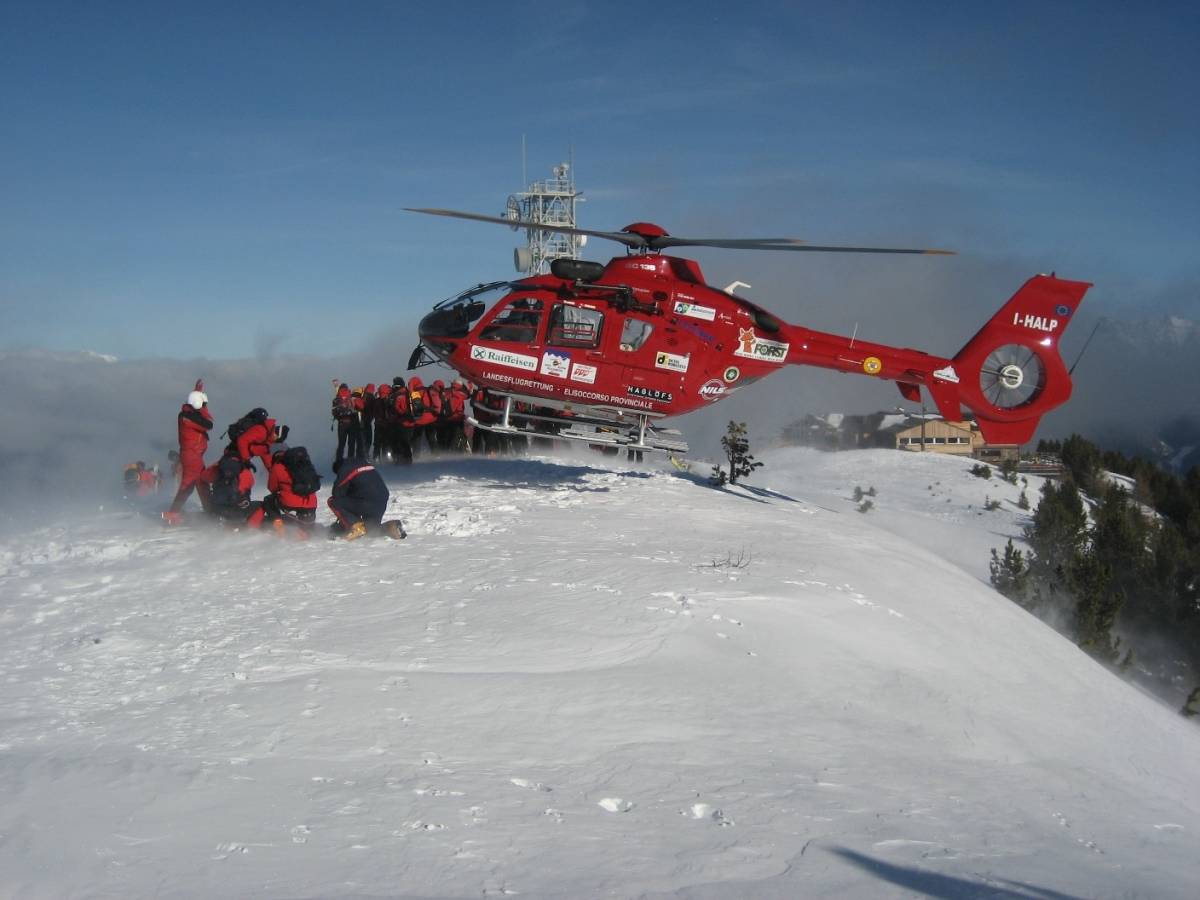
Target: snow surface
x,y
577,679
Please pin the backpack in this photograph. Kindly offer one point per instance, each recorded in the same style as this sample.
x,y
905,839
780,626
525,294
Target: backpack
x,y
416,403
343,408
444,410
400,405
305,480
257,416
226,488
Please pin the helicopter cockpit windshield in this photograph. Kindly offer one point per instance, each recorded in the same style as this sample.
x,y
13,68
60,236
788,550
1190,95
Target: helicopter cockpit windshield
x,y
452,317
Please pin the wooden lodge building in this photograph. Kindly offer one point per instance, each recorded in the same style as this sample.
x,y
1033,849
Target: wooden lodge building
x,y
930,434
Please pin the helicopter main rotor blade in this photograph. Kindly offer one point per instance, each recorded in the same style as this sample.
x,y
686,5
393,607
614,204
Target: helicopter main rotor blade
x,y
633,241
655,242
782,244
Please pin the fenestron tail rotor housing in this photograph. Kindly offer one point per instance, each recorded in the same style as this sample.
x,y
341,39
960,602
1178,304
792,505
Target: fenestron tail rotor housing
x,y
1013,375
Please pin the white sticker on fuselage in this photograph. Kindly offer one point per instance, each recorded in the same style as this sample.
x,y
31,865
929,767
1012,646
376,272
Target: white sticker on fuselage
x,y
504,358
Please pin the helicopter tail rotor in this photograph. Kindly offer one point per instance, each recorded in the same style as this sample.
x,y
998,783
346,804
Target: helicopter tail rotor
x,y
1011,372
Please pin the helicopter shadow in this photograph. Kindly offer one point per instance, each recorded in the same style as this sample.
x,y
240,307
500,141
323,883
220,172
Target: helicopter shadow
x,y
949,887
537,473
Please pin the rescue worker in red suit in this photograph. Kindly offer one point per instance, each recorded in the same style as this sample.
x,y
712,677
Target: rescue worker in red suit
x,y
424,408
195,422
455,400
384,417
256,440
346,417
232,480
359,499
489,410
283,504
402,432
439,431
366,420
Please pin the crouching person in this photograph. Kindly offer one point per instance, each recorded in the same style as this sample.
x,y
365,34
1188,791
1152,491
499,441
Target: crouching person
x,y
232,480
359,500
293,483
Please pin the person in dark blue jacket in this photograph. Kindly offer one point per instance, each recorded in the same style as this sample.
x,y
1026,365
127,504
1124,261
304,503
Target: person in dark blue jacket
x,y
359,499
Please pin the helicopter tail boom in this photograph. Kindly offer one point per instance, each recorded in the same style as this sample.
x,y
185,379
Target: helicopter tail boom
x,y
1011,372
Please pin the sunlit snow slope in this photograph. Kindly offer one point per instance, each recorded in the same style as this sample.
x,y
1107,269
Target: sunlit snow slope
x,y
563,684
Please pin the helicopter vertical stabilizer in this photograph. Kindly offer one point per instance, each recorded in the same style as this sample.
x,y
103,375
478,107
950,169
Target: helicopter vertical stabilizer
x,y
1011,372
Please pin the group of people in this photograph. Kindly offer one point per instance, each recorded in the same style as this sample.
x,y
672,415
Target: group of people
x,y
388,423
392,422
358,499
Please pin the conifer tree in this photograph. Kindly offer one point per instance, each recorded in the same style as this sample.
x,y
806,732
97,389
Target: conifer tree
x,y
1010,575
737,451
1056,536
1097,602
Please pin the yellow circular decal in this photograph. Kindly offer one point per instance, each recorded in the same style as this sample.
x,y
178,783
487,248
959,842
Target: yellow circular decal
x,y
872,365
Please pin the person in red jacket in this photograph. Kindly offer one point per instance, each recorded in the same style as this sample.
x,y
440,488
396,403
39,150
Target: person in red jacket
x,y
439,430
455,416
232,480
256,440
195,422
423,410
346,417
283,505
366,420
385,417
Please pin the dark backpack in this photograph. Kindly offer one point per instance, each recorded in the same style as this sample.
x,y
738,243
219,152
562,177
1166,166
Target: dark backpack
x,y
444,411
257,416
225,489
305,480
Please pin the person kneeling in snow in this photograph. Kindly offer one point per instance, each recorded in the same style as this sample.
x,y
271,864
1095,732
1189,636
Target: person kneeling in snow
x,y
359,500
293,483
232,480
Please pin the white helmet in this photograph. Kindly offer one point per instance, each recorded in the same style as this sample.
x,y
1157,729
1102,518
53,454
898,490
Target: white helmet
x,y
197,399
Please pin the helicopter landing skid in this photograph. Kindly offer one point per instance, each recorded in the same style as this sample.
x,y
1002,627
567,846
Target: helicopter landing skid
x,y
639,437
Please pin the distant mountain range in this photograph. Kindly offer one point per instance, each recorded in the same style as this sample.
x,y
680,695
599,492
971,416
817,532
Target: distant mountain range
x,y
1136,390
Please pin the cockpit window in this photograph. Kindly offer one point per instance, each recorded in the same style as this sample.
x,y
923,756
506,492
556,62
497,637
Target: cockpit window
x,y
575,326
634,334
518,322
486,294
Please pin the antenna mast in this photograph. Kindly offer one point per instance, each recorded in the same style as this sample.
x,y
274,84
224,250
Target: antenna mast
x,y
551,202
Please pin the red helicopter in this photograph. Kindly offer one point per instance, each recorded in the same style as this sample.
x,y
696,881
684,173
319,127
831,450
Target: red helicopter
x,y
602,353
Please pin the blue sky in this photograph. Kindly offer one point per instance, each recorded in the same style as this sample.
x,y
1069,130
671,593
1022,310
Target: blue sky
x,y
187,180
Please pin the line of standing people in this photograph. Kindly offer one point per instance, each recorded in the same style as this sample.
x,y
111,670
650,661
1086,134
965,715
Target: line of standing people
x,y
393,422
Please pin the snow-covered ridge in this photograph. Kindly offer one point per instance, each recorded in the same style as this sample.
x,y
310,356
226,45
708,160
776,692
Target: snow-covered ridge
x,y
578,679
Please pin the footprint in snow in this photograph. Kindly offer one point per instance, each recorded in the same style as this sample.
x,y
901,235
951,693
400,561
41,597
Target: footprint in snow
x,y
531,785
707,812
